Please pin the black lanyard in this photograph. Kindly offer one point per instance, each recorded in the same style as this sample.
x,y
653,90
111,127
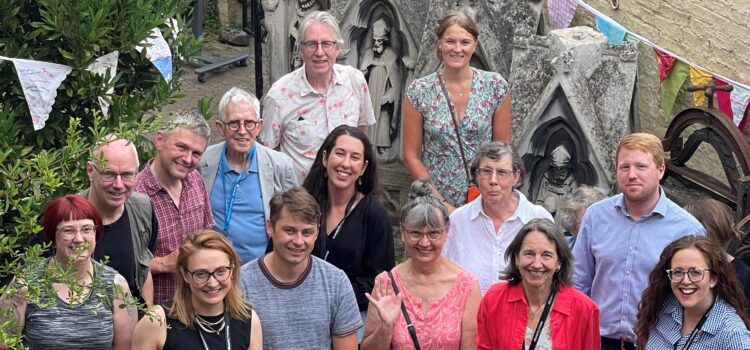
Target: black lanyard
x,y
227,336
335,233
542,319
697,329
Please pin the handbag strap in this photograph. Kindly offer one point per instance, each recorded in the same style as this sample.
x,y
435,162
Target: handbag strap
x,y
455,125
409,325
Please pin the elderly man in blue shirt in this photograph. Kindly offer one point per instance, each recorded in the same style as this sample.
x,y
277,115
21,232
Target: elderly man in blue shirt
x,y
622,237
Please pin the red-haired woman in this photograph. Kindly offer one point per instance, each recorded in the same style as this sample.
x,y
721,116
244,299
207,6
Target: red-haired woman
x,y
87,312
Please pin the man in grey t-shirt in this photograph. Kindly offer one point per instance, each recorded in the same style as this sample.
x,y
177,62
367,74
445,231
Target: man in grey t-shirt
x,y
303,302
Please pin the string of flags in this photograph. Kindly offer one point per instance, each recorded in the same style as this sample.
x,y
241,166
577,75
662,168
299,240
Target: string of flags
x,y
673,69
40,80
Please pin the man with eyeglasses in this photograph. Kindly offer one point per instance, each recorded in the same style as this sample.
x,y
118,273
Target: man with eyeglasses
x,y
303,106
481,230
621,238
130,225
242,175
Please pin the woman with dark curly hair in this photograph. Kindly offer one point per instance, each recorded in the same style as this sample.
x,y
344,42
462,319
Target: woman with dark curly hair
x,y
697,304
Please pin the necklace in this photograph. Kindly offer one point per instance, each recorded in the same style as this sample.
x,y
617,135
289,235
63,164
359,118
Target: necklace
x,y
210,327
457,86
533,313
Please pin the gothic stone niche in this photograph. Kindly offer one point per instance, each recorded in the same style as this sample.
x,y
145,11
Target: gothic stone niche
x,y
572,100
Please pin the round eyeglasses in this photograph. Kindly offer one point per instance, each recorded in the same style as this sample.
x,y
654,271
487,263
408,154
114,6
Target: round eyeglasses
x,y
69,232
234,125
694,274
202,276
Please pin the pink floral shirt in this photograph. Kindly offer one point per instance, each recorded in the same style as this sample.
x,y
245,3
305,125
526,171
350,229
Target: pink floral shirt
x,y
297,119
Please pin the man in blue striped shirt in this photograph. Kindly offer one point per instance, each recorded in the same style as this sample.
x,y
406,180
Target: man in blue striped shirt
x,y
622,237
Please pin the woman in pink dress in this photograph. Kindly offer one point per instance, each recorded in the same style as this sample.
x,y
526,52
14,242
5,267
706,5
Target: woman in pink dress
x,y
439,298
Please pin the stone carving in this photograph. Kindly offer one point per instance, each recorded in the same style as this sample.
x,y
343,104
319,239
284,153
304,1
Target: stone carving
x,y
380,64
302,8
557,181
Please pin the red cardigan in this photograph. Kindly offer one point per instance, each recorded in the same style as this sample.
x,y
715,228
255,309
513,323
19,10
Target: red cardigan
x,y
502,319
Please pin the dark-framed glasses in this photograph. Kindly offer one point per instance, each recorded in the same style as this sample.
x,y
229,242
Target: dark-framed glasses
x,y
311,46
221,274
69,232
234,125
110,176
416,235
694,274
501,173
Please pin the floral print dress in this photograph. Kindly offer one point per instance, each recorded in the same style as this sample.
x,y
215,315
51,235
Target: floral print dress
x,y
440,149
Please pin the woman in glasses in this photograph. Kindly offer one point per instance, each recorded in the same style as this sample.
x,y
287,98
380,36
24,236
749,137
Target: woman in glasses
x,y
439,298
693,300
208,310
85,309
450,113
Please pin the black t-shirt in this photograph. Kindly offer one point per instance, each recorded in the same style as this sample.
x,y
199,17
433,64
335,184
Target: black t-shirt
x,y
183,338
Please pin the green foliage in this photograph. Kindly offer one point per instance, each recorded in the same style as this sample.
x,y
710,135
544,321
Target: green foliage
x,y
37,166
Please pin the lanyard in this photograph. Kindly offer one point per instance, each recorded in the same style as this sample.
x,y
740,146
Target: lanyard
x,y
229,203
542,319
697,329
347,211
227,336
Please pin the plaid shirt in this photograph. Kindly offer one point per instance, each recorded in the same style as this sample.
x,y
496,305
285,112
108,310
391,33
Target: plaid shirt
x,y
175,223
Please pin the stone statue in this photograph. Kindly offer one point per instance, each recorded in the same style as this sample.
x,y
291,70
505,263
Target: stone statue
x,y
557,181
380,64
276,22
302,8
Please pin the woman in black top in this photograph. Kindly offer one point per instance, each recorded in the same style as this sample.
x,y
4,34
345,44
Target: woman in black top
x,y
208,310
355,231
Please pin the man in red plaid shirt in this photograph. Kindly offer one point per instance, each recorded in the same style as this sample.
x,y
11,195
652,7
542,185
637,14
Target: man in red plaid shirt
x,y
177,192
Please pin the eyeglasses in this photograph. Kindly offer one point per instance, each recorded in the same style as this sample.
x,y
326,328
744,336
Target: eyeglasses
x,y
694,275
69,232
249,125
501,173
220,275
110,176
416,235
311,46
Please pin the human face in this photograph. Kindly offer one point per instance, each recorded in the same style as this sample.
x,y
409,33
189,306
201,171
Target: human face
x,y
428,246
693,296
496,188
75,240
456,46
208,297
293,238
241,140
537,261
638,176
346,163
179,152
318,62
115,158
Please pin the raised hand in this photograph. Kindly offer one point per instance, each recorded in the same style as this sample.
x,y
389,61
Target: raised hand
x,y
385,301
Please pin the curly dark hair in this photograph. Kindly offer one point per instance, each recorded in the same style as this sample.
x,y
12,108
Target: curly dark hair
x,y
653,297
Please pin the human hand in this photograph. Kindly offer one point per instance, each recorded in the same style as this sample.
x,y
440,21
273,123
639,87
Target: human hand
x,y
385,301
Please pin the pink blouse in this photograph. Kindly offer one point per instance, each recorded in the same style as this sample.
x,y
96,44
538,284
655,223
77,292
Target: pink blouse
x,y
441,328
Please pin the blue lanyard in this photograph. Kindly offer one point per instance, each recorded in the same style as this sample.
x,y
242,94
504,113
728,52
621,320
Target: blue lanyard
x,y
229,203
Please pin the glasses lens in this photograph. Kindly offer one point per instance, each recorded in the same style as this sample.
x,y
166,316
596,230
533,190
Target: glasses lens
x,y
200,277
695,275
222,273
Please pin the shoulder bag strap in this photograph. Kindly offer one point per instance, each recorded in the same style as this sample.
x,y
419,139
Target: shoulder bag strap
x,y
542,319
409,325
455,125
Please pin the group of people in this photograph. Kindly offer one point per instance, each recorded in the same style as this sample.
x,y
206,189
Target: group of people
x,y
284,244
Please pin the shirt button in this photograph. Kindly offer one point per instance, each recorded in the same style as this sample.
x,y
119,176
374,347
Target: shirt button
x,y
631,248
627,272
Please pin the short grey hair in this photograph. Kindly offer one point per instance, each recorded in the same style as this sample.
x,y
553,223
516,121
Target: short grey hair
x,y
187,119
237,95
423,210
582,197
495,150
323,17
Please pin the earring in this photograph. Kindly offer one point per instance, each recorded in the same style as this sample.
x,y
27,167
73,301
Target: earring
x,y
359,182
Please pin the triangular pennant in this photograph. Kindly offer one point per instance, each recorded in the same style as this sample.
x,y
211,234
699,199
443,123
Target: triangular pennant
x,y
723,98
561,13
39,81
699,77
614,32
671,87
100,66
158,53
740,98
665,61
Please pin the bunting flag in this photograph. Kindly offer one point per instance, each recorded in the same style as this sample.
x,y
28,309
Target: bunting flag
x,y
665,61
699,78
158,53
671,87
723,99
39,82
614,32
100,66
740,98
561,13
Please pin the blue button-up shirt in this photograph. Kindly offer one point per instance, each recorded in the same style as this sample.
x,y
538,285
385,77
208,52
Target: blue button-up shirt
x,y
614,254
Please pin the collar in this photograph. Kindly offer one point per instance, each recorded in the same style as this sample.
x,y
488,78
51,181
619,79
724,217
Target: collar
x,y
662,205
253,161
304,85
562,302
522,212
152,185
714,323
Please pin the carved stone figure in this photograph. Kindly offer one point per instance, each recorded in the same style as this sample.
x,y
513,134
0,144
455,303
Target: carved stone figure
x,y
557,181
302,8
381,68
